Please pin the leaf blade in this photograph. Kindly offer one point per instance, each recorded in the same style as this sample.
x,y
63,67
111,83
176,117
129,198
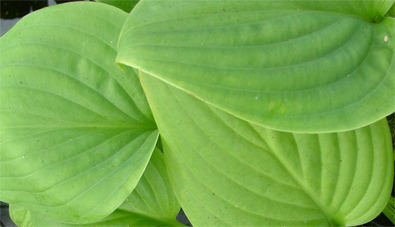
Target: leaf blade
x,y
132,212
260,176
282,65
76,131
126,6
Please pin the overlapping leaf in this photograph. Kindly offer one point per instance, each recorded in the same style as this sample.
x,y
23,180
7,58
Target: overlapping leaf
x,y
153,197
389,210
228,172
126,6
76,131
299,66
152,203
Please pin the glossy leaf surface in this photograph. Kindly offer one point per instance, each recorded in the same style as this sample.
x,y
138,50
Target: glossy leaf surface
x,y
228,172
152,203
76,131
297,66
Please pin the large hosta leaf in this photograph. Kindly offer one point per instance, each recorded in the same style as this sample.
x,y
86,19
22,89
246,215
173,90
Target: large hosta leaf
x,y
299,66
152,203
76,131
228,172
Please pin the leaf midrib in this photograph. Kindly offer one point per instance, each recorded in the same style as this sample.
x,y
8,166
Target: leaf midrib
x,y
299,182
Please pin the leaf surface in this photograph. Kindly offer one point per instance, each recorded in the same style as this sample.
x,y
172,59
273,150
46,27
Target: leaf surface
x,y
125,5
76,133
228,172
389,210
152,203
296,66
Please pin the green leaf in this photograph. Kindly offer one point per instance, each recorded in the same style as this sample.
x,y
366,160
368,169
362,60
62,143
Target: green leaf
x,y
152,203
117,219
389,210
391,11
297,66
153,196
20,216
125,5
228,172
76,133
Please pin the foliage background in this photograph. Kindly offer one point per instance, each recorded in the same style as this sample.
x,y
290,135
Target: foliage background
x,y
17,9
